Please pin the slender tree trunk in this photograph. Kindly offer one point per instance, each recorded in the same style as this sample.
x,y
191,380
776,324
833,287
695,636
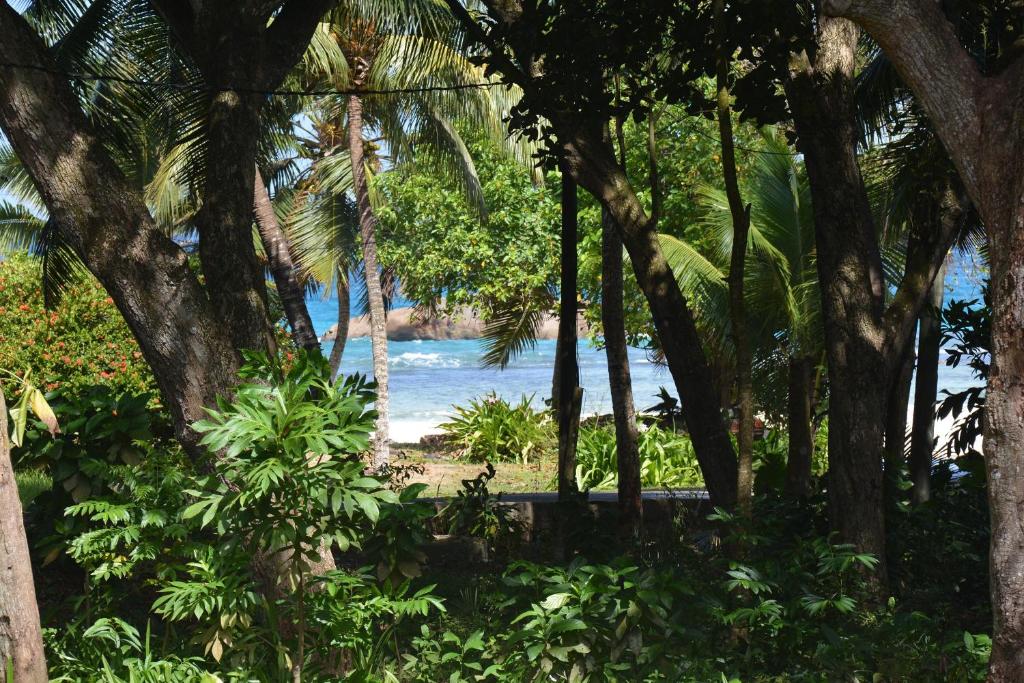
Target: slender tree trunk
x,y
593,165
801,434
378,323
922,439
737,263
569,391
21,640
282,267
619,381
896,420
344,318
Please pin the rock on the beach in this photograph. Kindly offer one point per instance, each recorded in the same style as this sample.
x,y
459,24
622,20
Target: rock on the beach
x,y
407,324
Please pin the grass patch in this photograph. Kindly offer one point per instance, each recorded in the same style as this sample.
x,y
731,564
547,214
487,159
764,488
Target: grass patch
x,y
443,472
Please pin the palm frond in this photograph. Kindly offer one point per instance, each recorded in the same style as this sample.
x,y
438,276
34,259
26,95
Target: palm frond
x,y
511,329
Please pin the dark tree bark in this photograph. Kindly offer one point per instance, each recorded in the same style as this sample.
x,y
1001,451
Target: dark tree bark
x,y
282,268
619,381
922,438
106,222
864,340
737,265
591,161
801,435
21,639
344,318
378,322
570,395
980,120
240,48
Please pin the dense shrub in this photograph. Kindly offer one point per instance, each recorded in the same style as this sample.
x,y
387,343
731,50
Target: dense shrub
x,y
667,459
83,341
492,429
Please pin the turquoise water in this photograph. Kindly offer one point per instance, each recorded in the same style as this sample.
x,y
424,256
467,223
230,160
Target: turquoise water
x,y
428,377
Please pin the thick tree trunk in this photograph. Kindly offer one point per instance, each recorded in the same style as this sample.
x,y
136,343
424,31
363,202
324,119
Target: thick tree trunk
x,y
980,120
234,279
570,395
619,381
922,438
593,165
368,235
896,420
737,263
801,434
21,640
1004,441
106,222
344,318
282,267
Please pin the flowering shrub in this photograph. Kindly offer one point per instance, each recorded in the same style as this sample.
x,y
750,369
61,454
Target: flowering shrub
x,y
83,342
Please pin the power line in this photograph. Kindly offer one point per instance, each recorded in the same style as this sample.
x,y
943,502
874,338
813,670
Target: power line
x,y
86,77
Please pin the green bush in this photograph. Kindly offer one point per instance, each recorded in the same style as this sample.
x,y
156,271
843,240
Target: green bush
x,y
84,341
492,429
667,459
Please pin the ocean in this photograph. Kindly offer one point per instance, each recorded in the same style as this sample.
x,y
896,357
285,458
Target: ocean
x,y
427,378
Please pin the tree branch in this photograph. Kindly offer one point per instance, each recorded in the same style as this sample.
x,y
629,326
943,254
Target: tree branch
x,y
921,43
508,68
924,260
180,18
289,34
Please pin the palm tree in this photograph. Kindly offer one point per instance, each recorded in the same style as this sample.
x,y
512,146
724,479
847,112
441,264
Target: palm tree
x,y
780,284
405,47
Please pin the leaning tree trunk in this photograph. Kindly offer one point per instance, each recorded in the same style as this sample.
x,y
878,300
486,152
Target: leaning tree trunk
x,y
106,222
378,322
922,438
623,410
282,267
737,262
593,165
21,640
570,395
801,434
344,318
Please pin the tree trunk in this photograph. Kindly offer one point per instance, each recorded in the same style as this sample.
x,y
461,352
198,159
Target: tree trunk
x,y
593,165
591,161
344,318
1004,439
619,381
737,262
21,640
896,420
282,267
234,280
368,235
570,394
922,439
801,435
105,220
